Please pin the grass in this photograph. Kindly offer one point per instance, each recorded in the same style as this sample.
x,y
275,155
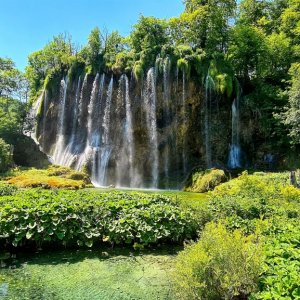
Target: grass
x,y
102,274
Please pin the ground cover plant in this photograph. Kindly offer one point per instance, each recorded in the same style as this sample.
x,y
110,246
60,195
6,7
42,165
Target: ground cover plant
x,y
69,217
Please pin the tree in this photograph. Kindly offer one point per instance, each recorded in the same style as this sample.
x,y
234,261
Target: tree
x,y
5,156
54,58
114,44
208,23
248,51
291,117
147,39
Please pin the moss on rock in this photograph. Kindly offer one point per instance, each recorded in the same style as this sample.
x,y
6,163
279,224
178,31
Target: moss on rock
x,y
204,181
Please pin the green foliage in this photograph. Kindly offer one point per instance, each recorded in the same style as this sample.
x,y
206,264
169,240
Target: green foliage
x,y
268,204
291,118
222,75
67,217
12,115
13,84
147,39
183,65
221,265
53,59
206,23
6,160
248,51
7,189
258,196
204,181
281,268
138,70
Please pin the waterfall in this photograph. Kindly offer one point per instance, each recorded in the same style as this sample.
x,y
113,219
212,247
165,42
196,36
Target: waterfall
x,y
32,119
234,159
209,83
103,155
150,106
125,158
184,144
91,132
60,138
132,133
45,107
95,109
75,115
92,140
128,137
69,156
167,97
80,105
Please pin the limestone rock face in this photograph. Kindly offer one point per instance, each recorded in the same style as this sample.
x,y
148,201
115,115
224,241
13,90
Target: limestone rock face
x,y
143,134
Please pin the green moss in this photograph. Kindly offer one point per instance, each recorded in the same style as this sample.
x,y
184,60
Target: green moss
x,y
203,181
138,70
53,177
184,66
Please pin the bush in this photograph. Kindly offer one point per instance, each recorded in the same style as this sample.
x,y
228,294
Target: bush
x,y
7,189
221,265
69,217
6,160
255,196
203,181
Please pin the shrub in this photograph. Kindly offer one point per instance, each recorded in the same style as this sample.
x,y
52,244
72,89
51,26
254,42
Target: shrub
x,y
7,189
6,160
203,181
69,217
221,265
255,196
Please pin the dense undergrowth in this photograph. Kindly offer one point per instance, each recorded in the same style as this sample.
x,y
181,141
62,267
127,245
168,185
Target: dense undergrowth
x,y
259,211
248,229
85,218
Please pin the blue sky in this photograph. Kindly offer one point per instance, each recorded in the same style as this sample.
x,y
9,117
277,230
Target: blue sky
x,y
27,25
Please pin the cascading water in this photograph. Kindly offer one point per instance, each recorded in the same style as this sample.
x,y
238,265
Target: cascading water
x,y
150,106
167,110
125,161
100,169
79,155
135,135
31,118
69,155
45,107
81,104
92,132
234,159
209,83
92,141
184,144
60,137
94,135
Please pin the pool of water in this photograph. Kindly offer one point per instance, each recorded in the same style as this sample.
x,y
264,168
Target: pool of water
x,y
89,275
